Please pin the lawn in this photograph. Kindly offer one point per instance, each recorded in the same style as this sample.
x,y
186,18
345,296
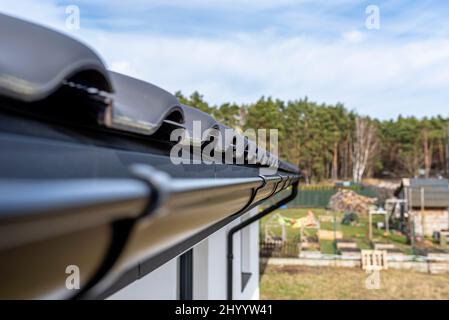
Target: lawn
x,y
316,283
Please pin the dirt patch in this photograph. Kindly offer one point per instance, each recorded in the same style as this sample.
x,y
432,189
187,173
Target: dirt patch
x,y
292,270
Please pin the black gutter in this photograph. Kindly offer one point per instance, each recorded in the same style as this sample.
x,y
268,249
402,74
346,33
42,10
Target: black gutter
x,y
152,263
247,222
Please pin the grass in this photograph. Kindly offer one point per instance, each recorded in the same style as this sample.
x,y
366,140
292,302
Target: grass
x,y
327,246
316,283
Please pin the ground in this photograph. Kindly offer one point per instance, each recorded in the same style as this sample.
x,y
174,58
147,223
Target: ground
x,y
358,233
316,283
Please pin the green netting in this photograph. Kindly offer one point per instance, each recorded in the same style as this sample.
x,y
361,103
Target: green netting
x,y
318,197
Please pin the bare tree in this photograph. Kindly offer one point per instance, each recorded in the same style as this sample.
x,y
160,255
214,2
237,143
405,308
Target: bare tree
x,y
446,147
363,147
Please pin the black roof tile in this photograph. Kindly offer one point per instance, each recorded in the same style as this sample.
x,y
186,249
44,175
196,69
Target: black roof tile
x,y
35,61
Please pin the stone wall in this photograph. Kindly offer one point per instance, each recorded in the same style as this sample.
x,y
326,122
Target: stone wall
x,y
425,266
429,221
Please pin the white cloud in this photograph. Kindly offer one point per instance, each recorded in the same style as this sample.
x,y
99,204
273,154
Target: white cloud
x,y
378,76
380,79
43,12
353,36
121,67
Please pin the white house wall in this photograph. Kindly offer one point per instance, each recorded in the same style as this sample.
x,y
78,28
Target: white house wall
x,y
160,284
210,264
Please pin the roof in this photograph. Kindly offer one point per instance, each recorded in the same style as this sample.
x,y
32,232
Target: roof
x,y
435,192
139,106
429,183
86,162
34,61
69,70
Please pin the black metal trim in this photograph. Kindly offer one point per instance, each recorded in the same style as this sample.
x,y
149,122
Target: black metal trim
x,y
186,276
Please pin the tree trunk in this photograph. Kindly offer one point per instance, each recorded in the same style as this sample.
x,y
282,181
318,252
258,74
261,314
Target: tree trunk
x,y
335,162
441,163
363,148
447,151
427,153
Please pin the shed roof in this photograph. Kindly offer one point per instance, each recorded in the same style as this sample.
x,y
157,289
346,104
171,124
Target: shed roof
x,y
429,183
433,192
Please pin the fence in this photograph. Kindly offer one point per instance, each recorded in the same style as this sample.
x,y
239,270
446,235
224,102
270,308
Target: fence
x,y
278,249
319,196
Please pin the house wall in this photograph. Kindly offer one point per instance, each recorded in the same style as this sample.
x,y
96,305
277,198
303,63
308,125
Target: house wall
x,y
429,221
161,284
210,263
209,269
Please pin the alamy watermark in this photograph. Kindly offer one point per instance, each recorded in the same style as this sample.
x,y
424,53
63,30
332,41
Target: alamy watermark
x,y
73,17
372,281
72,281
372,21
226,146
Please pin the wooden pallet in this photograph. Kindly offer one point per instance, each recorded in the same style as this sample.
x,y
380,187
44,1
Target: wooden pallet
x,y
374,260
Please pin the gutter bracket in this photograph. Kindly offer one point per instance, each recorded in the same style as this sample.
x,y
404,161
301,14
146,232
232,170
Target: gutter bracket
x,y
157,180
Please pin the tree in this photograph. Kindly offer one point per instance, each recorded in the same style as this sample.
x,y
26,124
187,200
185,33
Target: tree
x,y
446,149
330,142
364,146
228,114
266,114
195,100
427,145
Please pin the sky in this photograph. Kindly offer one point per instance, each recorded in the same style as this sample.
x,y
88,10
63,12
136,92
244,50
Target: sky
x,y
240,50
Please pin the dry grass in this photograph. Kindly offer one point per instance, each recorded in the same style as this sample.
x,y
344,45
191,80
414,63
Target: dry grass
x,y
315,283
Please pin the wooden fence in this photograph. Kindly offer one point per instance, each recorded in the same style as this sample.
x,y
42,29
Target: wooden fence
x,y
278,249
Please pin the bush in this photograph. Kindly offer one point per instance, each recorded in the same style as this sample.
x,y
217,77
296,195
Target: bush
x,y
350,218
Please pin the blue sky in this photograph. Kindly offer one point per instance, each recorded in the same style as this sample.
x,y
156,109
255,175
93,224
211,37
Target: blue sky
x,y
239,50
